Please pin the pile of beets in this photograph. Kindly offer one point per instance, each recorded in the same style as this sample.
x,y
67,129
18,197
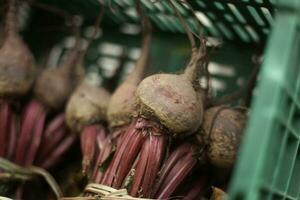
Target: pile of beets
x,y
155,137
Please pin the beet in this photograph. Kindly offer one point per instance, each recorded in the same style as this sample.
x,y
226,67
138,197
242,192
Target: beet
x,y
163,105
17,66
172,100
221,132
17,70
85,114
58,81
88,105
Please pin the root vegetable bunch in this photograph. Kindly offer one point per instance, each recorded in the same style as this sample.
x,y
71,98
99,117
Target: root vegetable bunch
x,y
43,133
17,70
86,115
28,135
159,108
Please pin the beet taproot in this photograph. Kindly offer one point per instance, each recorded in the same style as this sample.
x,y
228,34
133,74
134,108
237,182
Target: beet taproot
x,y
87,105
54,85
222,132
85,114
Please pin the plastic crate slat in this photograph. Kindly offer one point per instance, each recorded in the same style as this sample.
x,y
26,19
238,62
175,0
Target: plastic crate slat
x,y
273,75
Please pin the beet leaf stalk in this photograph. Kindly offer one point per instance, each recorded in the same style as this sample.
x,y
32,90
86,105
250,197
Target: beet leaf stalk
x,y
85,114
17,71
176,168
52,89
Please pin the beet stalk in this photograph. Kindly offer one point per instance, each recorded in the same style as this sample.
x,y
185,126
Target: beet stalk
x,y
85,114
17,70
177,167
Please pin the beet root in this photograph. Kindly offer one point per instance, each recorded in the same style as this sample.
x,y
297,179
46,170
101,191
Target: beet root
x,y
122,105
172,100
86,106
17,66
222,132
53,87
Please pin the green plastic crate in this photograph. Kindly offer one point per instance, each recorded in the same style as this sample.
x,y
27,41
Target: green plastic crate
x,y
268,166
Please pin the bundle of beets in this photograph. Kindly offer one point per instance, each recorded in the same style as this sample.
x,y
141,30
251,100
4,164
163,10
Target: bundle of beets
x,y
165,141
32,129
158,137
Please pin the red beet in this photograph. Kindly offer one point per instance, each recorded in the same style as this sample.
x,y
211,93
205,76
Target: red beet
x,y
85,112
16,61
222,132
160,107
17,69
130,132
87,105
57,81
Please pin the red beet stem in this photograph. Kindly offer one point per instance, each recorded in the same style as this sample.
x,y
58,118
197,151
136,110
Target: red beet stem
x,y
101,139
140,170
55,156
56,124
174,157
33,111
177,177
55,132
174,175
37,134
104,154
118,134
129,155
148,166
88,146
5,122
14,128
121,164
197,190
